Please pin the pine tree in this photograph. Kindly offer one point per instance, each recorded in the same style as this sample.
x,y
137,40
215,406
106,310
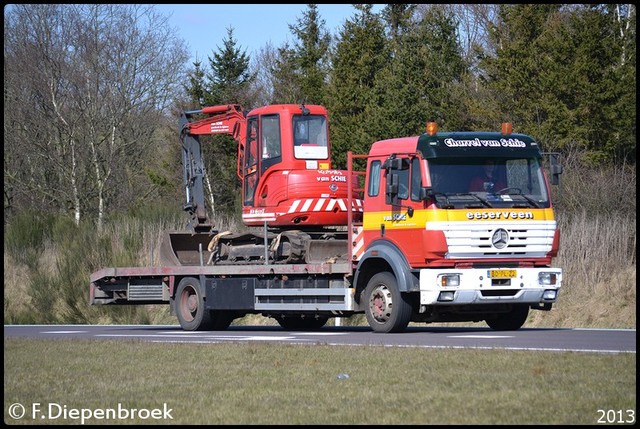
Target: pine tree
x,y
361,52
560,73
311,55
422,81
228,82
196,86
286,83
230,76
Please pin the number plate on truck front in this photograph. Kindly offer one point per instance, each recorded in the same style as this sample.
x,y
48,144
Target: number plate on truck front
x,y
502,274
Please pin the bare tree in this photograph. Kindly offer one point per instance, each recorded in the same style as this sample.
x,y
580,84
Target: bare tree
x,y
42,165
262,65
88,87
625,15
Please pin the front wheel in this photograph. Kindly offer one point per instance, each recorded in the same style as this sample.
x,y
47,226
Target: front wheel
x,y
189,306
386,308
511,321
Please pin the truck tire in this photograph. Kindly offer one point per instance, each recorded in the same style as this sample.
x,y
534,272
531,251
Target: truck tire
x,y
386,308
189,306
298,323
511,321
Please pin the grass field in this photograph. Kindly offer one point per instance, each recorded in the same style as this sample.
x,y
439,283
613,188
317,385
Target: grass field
x,y
297,384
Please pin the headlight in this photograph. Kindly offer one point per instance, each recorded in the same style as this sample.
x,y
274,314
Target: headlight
x,y
547,279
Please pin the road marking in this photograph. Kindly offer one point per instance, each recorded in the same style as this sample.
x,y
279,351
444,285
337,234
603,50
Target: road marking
x,y
207,336
63,332
260,338
481,336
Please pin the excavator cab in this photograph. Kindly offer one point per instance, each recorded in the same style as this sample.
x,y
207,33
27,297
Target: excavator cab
x,y
286,172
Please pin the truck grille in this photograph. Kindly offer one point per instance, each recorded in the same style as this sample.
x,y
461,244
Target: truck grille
x,y
474,239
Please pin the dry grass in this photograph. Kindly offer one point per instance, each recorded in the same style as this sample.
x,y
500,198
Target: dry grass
x,y
16,291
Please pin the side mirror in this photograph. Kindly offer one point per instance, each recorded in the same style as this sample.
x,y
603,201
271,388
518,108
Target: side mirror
x,y
425,193
396,164
555,168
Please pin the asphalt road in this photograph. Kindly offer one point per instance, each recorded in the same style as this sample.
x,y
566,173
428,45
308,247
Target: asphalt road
x,y
560,340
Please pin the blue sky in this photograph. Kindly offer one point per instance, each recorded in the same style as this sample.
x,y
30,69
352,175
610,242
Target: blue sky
x,y
204,27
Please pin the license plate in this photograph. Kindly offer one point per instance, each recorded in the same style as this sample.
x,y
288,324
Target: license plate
x,y
502,274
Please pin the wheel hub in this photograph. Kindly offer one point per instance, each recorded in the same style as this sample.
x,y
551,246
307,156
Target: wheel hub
x,y
192,303
381,303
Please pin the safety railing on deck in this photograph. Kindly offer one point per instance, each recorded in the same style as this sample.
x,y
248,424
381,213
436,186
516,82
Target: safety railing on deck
x,y
354,227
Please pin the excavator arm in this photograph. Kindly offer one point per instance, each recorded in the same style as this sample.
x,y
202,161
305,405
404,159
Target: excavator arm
x,y
224,119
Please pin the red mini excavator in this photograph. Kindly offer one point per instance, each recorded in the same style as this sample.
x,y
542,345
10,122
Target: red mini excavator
x,y
284,164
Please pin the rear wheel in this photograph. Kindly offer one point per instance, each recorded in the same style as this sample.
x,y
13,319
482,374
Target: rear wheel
x,y
386,308
511,321
299,323
189,306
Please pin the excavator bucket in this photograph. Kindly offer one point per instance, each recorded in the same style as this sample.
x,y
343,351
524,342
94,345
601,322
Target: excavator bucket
x,y
184,248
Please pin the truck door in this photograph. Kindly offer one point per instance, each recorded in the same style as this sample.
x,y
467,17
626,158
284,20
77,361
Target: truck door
x,y
404,214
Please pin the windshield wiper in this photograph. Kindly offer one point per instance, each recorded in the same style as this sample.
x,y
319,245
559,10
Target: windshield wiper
x,y
533,202
448,204
520,194
482,200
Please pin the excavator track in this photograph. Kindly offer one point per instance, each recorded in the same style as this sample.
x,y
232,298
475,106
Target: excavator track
x,y
228,248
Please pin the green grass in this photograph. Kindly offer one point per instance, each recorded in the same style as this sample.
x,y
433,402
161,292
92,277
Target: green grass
x,y
253,383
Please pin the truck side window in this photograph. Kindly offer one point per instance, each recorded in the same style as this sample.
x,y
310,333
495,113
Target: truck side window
x,y
374,179
403,183
416,180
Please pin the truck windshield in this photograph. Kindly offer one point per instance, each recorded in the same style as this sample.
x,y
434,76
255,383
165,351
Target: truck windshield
x,y
310,137
494,182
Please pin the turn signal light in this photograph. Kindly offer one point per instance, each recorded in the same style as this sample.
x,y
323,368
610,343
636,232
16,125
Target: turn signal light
x,y
450,280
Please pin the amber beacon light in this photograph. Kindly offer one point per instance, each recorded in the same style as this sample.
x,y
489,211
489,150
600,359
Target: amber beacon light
x,y
507,128
432,128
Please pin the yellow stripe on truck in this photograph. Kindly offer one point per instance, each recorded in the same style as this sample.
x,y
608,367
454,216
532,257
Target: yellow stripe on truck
x,y
401,220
